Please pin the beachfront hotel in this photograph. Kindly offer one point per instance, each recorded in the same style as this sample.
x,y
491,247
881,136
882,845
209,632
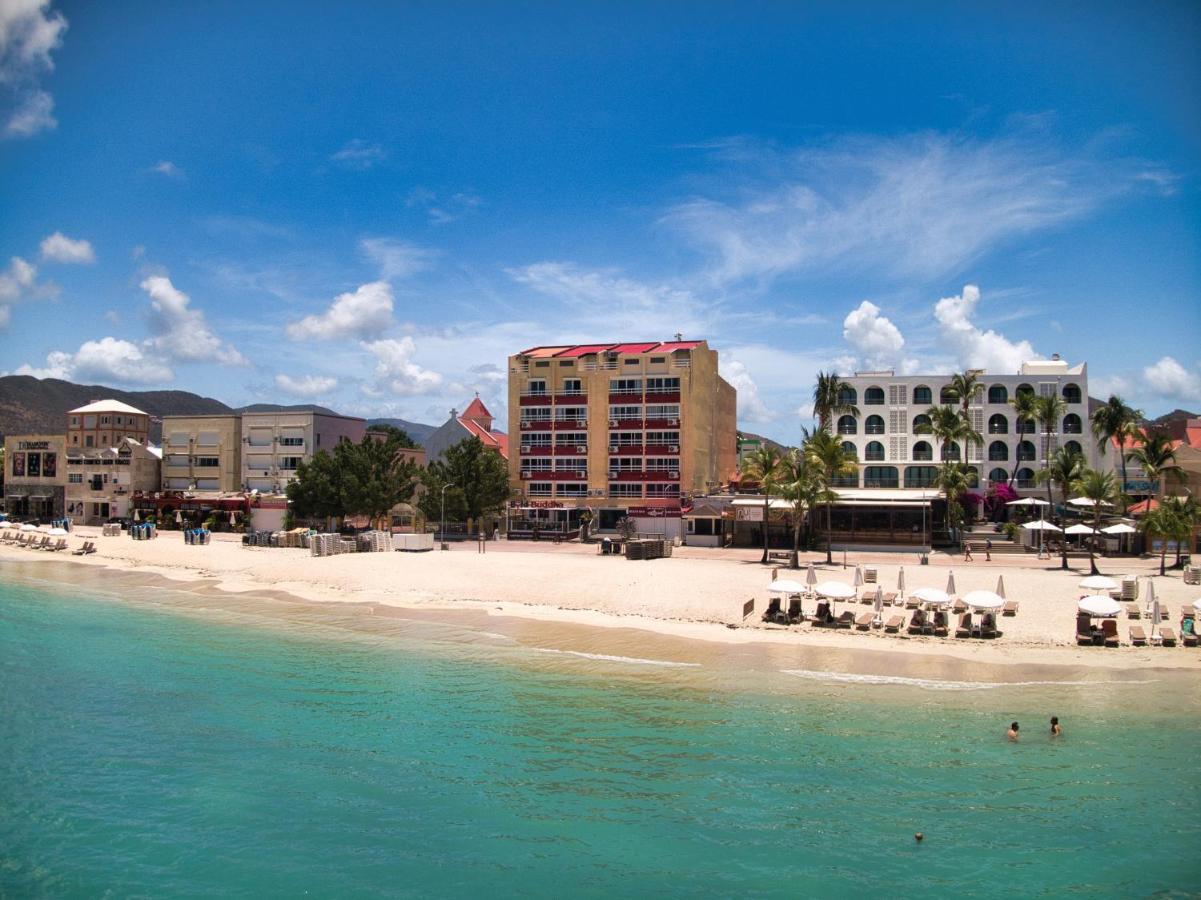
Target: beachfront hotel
x,y
622,430
104,423
34,481
103,481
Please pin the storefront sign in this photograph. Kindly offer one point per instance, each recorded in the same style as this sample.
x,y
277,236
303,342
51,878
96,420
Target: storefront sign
x,y
654,512
33,445
535,504
750,514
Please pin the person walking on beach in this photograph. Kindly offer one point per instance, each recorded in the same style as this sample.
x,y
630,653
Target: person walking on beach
x,y
967,552
988,550
1012,733
1056,730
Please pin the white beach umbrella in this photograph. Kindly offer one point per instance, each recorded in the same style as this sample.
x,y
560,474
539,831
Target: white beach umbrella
x,y
1085,501
1028,501
1080,529
1156,617
137,515
1120,528
985,601
178,517
233,517
858,577
878,603
811,576
1001,586
1197,605
951,582
835,590
57,532
1150,595
1040,525
901,581
932,596
1098,583
1099,607
785,586
27,526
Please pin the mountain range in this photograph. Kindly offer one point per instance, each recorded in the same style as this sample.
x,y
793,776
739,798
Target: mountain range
x,y
39,406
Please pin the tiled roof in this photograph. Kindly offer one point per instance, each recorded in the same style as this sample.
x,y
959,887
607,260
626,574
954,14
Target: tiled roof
x,y
476,410
103,406
494,440
629,347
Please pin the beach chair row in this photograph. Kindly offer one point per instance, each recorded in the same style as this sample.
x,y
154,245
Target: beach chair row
x,y
34,542
911,602
1162,636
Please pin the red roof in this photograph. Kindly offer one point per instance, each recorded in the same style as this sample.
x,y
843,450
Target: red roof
x,y
671,346
634,348
1143,507
572,352
476,410
494,440
542,352
582,350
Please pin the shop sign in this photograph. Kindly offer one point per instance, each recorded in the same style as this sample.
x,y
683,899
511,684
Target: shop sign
x,y
654,512
750,513
33,445
535,504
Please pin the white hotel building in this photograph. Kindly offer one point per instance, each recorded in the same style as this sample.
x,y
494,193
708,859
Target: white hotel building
x,y
892,453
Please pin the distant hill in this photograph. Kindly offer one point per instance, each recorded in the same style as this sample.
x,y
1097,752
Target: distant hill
x,y
1175,416
39,406
766,441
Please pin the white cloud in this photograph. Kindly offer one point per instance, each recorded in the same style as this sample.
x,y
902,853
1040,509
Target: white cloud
x,y
751,407
363,313
1172,381
6,315
18,278
396,370
396,259
62,249
920,205
305,386
108,359
29,34
180,332
876,339
167,168
971,346
444,210
359,154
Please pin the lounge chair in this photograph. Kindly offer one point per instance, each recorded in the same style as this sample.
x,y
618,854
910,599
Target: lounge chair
x,y
769,614
1188,631
1010,608
964,629
958,607
1138,637
912,602
42,544
1167,636
1132,611
846,620
917,625
868,596
1084,631
61,544
988,626
82,550
893,625
864,622
941,628
794,611
1109,632
890,598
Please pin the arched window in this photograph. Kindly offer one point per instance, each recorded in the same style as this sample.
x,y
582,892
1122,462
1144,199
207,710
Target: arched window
x,y
920,476
998,476
874,452
998,393
849,480
848,396
1025,389
850,449
951,451
847,425
1025,426
920,421
1025,478
1072,424
873,425
973,477
998,452
880,477
998,424
1026,452
923,452
947,396
1074,447
1071,393
922,396
873,396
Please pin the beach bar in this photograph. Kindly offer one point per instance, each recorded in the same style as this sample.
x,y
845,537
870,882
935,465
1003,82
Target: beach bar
x,y
904,518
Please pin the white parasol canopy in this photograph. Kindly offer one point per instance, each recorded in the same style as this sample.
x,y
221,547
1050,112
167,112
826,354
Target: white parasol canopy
x,y
1080,529
878,604
1001,586
835,590
786,586
951,582
1100,607
1197,605
1150,595
1156,617
28,526
1028,501
1040,525
1085,501
1098,583
1120,528
901,581
932,596
57,532
984,600
858,583
811,576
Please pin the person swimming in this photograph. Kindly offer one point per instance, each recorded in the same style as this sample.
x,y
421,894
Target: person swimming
x,y
1056,730
1012,733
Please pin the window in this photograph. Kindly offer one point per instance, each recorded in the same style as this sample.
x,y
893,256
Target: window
x,y
572,489
540,488
874,452
289,463
626,438
1024,426
625,464
1025,451
630,362
1074,447
923,452
88,442
1025,389
1071,393
662,385
542,364
104,420
178,439
922,396
625,385
208,439
850,449
291,442
998,394
998,451
625,489
567,364
919,422
74,421
1072,424
948,396
998,424
951,451
658,359
873,425
573,387
663,438
1025,478
537,388
529,414
661,489
624,413
75,478
538,464
998,476
538,439
848,396
847,425
973,477
660,464
873,396
880,477
208,462
920,476
663,411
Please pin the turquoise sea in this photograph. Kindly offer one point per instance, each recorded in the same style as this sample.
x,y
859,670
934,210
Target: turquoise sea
x,y
159,741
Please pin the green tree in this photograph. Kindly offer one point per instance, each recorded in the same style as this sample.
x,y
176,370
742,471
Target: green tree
x,y
376,476
953,480
391,431
316,491
1048,411
1161,522
1101,488
801,484
1157,457
476,481
831,398
764,466
834,462
1114,421
966,387
1024,413
1065,469
1186,515
948,426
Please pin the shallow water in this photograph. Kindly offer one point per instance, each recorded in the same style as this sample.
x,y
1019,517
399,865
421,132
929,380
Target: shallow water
x,y
158,740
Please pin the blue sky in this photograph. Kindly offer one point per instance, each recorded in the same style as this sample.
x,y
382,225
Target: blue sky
x,y
370,206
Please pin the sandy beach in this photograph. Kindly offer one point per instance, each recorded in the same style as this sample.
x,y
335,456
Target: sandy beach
x,y
697,594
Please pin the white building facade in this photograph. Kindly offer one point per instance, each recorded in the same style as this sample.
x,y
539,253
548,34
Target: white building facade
x,y
892,451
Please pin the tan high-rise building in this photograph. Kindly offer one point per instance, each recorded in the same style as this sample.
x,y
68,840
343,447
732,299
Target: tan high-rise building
x,y
104,423
621,429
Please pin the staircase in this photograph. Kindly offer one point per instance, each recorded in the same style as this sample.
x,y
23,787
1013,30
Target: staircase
x,y
976,535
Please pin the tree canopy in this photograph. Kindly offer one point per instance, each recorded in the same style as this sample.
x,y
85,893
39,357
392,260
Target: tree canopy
x,y
476,481
367,478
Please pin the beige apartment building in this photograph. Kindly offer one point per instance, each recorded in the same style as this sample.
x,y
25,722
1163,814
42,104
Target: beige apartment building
x,y
202,453
630,429
274,444
104,423
101,483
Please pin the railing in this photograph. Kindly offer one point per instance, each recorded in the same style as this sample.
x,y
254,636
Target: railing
x,y
534,424
625,449
881,482
663,396
662,449
571,449
570,424
1026,483
534,399
536,449
661,423
580,474
637,475
566,396
626,397
626,423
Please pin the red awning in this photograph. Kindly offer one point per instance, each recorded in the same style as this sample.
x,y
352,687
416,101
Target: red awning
x,y
634,348
582,350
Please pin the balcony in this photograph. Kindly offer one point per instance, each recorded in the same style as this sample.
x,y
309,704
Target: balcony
x,y
662,449
625,424
571,450
540,398
535,424
625,398
580,474
576,397
570,425
625,449
662,423
536,449
638,475
662,396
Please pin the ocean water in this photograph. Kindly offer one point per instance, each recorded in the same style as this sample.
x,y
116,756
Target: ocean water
x,y
163,742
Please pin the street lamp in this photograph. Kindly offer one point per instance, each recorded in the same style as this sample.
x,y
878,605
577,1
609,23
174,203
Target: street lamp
x,y
442,532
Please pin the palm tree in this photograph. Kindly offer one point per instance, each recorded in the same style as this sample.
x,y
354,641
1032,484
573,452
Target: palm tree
x,y
1157,457
1023,412
1115,421
801,483
1100,488
1064,468
966,387
953,479
947,426
830,400
833,461
1161,522
764,466
1186,514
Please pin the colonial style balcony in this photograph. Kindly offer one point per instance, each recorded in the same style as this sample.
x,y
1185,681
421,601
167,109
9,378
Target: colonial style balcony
x,y
535,424
571,449
625,449
536,449
570,424
625,398
571,397
662,423
626,424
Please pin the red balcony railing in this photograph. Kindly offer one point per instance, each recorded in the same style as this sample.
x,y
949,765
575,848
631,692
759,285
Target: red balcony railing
x,y
625,449
580,474
662,449
662,423
625,398
536,449
662,396
570,424
535,425
578,398
636,475
626,423
580,450
534,400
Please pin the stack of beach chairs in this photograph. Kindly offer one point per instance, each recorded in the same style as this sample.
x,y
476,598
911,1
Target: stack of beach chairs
x,y
648,548
112,529
375,542
146,532
197,536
